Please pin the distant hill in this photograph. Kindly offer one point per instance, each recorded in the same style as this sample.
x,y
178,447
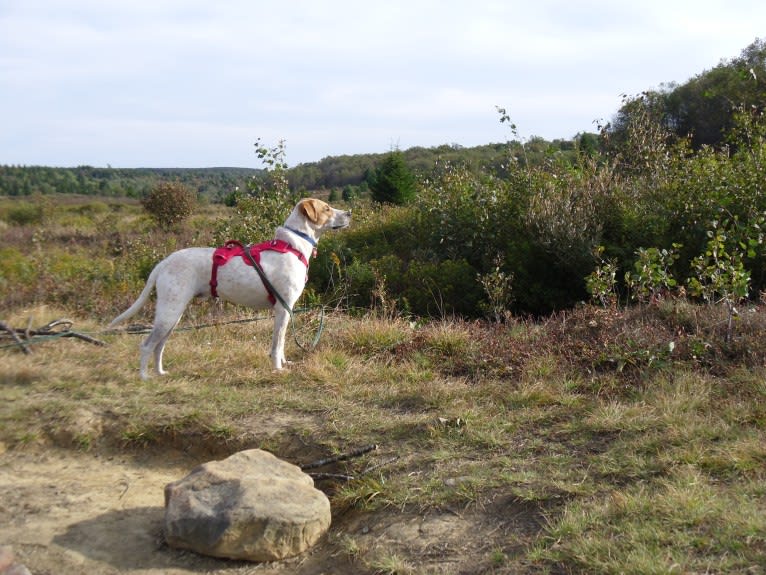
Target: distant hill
x,y
352,170
215,184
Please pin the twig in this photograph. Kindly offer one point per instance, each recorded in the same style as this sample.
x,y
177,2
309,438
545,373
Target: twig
x,y
379,465
57,322
346,477
15,337
342,457
49,330
339,476
83,337
66,332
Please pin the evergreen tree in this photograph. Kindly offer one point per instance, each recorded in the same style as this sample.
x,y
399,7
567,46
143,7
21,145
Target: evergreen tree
x,y
392,181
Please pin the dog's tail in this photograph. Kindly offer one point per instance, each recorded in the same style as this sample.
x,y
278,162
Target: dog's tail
x,y
141,301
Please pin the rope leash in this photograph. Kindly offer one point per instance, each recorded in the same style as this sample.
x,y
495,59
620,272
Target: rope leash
x,y
22,338
62,327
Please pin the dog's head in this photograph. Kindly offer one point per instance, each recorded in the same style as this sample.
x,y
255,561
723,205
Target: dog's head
x,y
321,216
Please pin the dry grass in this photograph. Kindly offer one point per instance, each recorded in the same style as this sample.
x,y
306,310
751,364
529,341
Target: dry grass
x,y
584,442
640,469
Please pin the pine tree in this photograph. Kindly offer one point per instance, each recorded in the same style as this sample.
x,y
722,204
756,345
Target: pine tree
x,y
392,181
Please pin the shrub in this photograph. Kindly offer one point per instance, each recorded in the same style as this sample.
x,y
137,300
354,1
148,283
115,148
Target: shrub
x,y
169,203
358,281
255,219
442,289
498,289
267,202
652,276
25,214
16,268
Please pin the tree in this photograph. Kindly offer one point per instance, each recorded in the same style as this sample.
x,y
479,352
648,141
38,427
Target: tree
x,y
169,203
393,182
703,108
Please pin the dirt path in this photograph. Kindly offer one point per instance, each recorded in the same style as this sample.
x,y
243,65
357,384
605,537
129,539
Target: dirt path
x,y
73,513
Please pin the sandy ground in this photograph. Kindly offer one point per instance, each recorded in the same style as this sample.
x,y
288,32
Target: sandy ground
x,y
67,513
72,513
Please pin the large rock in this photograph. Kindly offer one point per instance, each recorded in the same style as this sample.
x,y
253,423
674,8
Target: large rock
x,y
249,506
8,565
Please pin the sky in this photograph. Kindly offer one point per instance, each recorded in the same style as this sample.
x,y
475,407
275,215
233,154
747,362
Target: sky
x,y
192,84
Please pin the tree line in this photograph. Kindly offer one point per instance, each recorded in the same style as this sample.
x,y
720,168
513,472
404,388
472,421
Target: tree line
x,y
700,109
222,184
642,209
212,184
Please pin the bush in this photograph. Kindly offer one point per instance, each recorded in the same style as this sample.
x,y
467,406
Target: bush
x,y
170,203
16,268
442,289
25,214
265,204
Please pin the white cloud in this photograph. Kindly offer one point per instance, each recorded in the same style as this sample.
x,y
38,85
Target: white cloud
x,y
190,82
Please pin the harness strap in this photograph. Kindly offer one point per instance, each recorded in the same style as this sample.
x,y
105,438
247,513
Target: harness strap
x,y
273,293
220,257
255,261
252,256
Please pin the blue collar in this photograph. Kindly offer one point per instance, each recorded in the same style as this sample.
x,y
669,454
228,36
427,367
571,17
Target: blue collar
x,y
306,237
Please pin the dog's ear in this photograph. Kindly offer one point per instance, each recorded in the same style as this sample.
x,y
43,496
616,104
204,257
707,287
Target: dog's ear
x,y
310,209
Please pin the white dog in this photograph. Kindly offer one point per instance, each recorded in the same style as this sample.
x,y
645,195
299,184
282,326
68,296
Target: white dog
x,y
190,272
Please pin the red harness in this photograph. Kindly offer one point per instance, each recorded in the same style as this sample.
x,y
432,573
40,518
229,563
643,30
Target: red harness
x,y
233,248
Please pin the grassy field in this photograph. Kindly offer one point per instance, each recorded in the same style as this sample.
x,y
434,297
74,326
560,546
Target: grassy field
x,y
592,441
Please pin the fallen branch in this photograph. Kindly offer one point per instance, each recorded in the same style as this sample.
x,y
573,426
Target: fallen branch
x,y
15,337
55,329
342,457
336,476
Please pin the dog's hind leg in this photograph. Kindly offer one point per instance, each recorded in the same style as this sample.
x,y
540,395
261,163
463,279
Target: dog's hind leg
x,y
171,304
160,348
146,353
155,345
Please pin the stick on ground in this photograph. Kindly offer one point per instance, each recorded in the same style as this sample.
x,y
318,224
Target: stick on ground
x,y
342,457
15,337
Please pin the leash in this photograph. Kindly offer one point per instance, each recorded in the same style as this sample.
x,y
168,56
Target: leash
x,y
270,288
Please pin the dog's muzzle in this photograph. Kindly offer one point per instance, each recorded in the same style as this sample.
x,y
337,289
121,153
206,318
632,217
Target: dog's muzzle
x,y
345,223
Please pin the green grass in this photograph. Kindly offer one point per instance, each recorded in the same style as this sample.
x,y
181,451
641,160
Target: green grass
x,y
609,460
685,522
658,475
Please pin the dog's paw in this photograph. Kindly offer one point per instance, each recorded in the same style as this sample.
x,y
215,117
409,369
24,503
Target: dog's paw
x,y
285,367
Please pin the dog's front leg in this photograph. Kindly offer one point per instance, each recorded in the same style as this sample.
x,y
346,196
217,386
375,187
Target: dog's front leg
x,y
281,320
